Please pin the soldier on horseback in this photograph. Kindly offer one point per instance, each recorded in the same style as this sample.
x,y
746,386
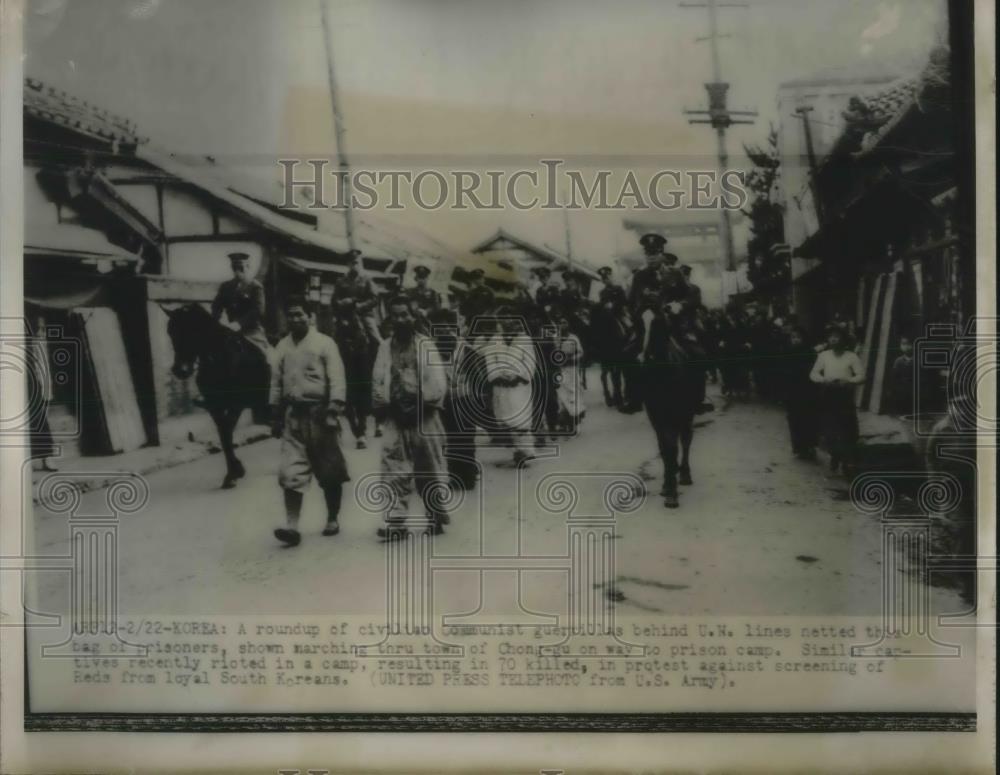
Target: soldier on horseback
x,y
243,302
356,287
546,294
242,299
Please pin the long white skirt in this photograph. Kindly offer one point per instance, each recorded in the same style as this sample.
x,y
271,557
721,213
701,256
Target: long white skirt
x,y
512,406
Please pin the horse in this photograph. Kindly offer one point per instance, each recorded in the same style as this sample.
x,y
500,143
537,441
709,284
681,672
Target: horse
x,y
358,352
609,339
674,389
232,374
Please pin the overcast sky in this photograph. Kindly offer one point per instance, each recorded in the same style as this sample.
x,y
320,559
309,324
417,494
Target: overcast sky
x,y
457,80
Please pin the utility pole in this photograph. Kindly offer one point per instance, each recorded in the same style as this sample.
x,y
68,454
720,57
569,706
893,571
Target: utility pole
x,y
803,113
569,238
344,172
720,118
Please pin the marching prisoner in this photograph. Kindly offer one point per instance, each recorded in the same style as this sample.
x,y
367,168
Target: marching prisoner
x,y
409,385
511,363
308,389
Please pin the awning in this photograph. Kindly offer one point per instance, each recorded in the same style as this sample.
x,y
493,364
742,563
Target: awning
x,y
73,241
306,266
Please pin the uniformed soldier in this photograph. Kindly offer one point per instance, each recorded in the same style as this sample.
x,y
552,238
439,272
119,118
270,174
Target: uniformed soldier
x,y
547,294
571,301
479,299
673,286
242,299
612,296
423,299
357,287
647,280
693,291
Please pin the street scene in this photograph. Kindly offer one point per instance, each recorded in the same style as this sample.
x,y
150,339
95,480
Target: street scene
x,y
770,535
350,309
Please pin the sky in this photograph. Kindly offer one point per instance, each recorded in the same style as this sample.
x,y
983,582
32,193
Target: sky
x,y
459,83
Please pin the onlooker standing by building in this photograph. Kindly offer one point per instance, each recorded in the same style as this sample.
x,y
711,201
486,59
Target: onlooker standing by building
x,y
901,380
799,394
409,385
837,371
308,389
38,398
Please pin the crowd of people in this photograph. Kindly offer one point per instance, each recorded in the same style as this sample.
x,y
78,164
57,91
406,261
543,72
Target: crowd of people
x,y
442,382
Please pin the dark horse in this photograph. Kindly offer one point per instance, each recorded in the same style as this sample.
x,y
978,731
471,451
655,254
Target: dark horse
x,y
358,353
610,337
674,389
233,374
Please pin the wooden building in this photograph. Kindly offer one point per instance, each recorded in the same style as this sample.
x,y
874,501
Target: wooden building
x,y
884,245
117,231
518,258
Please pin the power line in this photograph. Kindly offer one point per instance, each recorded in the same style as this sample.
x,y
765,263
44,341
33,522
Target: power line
x,y
720,117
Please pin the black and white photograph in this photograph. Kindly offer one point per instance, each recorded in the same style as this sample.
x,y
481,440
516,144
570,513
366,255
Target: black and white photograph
x,y
544,365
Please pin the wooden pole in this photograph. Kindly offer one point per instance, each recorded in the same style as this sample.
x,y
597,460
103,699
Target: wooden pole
x,y
344,170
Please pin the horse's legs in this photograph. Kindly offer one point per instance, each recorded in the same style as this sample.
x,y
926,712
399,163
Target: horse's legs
x,y
616,385
606,375
686,437
236,412
225,421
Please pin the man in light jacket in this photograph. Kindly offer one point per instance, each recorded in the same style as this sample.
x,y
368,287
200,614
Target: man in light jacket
x,y
307,397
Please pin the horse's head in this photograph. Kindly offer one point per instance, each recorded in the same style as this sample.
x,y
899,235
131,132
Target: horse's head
x,y
187,327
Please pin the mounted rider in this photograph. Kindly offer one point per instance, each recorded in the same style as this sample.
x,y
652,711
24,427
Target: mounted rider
x,y
354,294
242,299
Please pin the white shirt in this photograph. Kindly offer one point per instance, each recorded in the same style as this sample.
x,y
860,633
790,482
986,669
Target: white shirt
x,y
845,367
309,370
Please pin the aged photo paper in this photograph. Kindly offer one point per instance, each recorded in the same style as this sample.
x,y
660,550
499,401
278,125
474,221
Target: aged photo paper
x,y
539,386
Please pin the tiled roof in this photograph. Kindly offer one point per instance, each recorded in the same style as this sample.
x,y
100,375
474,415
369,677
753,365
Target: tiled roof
x,y
50,104
884,110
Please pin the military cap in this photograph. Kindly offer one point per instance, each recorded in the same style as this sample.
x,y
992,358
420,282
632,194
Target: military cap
x,y
670,258
477,272
652,240
542,271
421,271
238,258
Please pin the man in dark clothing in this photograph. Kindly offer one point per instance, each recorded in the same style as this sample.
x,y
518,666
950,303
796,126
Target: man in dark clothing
x,y
547,294
612,329
669,395
479,299
242,300
799,394
901,382
424,300
357,287
647,279
460,450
